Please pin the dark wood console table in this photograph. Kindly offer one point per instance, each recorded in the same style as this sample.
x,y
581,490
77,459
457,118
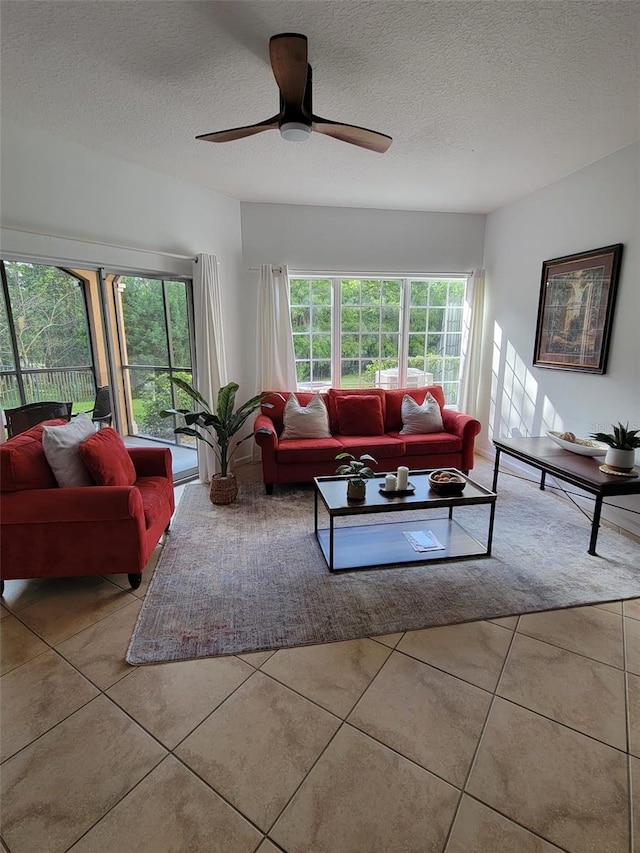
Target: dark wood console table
x,y
581,471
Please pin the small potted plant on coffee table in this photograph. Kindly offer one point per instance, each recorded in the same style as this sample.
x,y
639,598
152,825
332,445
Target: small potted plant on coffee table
x,y
623,443
358,472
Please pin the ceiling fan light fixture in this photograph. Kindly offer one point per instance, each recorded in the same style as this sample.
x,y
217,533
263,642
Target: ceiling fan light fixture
x,y
295,131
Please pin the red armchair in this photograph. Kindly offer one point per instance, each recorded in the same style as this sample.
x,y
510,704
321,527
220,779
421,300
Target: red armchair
x,y
47,531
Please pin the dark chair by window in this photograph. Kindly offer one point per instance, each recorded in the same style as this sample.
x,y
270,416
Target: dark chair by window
x,y
24,417
101,412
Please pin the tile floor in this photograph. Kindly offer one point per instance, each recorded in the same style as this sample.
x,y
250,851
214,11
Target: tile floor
x,y
515,735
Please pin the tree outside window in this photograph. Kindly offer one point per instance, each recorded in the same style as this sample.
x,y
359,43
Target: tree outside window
x,y
350,332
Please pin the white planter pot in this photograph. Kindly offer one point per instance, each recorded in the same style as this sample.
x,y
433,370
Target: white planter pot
x,y
623,460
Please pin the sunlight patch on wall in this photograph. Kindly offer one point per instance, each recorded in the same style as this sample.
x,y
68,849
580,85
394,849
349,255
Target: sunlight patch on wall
x,y
515,407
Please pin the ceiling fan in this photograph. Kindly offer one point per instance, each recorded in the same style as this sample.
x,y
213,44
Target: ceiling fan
x,y
296,121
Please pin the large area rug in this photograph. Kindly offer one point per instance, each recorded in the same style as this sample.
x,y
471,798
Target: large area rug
x,y
250,575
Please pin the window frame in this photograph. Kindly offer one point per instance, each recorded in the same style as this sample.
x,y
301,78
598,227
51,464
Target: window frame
x,y
404,333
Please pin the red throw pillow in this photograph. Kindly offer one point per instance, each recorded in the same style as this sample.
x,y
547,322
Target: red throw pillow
x,y
360,414
107,459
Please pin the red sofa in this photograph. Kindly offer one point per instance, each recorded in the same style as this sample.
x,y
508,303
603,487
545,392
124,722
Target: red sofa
x,y
299,460
47,531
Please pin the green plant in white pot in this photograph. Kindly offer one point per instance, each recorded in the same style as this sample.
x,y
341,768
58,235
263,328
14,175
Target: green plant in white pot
x,y
216,426
623,443
358,473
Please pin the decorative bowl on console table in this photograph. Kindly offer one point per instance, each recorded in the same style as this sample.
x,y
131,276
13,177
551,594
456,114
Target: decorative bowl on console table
x,y
582,446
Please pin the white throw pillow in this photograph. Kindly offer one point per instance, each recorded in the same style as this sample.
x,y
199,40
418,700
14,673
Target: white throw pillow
x,y
61,447
310,421
420,419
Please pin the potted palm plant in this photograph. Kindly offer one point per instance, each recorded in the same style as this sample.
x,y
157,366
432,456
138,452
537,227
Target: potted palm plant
x,y
358,473
216,426
623,443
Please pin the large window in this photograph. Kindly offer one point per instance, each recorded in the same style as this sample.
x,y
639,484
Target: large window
x,y
155,345
45,347
378,332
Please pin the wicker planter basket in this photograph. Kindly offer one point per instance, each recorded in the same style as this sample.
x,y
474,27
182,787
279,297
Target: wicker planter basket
x,y
223,490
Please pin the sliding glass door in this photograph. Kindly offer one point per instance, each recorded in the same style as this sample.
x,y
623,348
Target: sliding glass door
x,y
154,330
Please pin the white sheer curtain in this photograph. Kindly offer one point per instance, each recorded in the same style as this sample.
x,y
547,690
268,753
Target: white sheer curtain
x,y
276,366
468,401
210,367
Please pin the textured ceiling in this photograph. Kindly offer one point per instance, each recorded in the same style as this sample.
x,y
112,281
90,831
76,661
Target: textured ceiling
x,y
486,101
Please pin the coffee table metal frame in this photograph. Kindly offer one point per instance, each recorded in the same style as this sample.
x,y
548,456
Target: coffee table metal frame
x,y
378,545
582,471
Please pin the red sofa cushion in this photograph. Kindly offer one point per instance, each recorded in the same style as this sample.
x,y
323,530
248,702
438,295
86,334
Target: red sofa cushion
x,y
433,442
360,415
308,450
333,394
379,446
23,464
107,459
393,419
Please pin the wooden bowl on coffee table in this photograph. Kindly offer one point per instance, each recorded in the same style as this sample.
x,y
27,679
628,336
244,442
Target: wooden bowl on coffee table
x,y
447,483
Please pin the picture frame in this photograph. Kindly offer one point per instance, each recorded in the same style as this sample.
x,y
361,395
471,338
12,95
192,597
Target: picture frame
x,y
575,310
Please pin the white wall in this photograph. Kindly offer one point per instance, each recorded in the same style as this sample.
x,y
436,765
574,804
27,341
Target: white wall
x,y
338,239
56,187
360,240
595,207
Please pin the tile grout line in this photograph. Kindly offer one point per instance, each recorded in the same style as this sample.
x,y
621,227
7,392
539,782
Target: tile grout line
x,y
478,742
343,722
170,752
519,704
463,791
628,732
16,614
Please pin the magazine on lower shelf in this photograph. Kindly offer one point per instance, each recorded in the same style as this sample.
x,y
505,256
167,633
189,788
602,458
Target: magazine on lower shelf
x,y
423,540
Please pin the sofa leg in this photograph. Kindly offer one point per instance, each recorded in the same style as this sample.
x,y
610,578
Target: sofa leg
x,y
1,587
135,580
268,487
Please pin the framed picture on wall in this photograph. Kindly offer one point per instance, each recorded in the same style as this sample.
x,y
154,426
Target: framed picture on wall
x,y
575,311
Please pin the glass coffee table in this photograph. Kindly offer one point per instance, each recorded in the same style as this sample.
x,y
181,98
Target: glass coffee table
x,y
396,541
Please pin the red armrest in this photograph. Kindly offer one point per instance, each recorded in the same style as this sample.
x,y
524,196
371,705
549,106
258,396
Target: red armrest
x,y
460,424
151,461
467,428
59,506
264,432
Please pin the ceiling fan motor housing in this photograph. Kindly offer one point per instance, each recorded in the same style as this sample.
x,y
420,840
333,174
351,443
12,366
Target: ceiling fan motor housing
x,y
295,125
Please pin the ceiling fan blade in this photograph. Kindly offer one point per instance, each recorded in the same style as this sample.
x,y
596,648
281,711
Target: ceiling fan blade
x,y
288,54
361,136
240,132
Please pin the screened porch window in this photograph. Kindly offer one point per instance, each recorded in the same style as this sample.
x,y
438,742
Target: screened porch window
x,y
45,344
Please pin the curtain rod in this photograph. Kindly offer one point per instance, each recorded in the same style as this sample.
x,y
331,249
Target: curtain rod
x,y
98,243
392,273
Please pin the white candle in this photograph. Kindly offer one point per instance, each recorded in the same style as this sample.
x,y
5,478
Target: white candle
x,y
390,482
402,478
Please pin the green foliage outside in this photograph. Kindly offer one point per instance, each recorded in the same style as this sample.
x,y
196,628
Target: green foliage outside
x,y
152,397
370,329
144,319
49,318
